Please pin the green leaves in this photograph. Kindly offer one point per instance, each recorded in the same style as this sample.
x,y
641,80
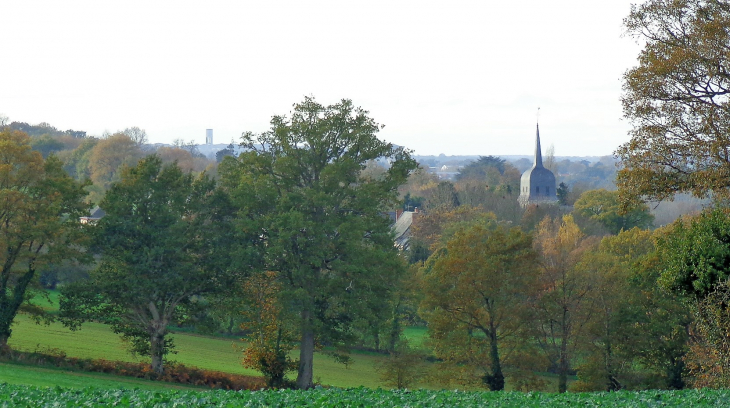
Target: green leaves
x,y
696,254
304,206
29,396
603,206
40,206
162,244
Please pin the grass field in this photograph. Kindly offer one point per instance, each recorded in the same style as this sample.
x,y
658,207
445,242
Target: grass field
x,y
95,340
41,376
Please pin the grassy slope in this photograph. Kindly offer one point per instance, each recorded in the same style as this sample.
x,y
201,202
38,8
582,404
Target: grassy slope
x,y
29,375
97,341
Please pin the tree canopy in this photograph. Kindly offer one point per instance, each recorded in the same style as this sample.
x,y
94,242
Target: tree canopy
x,y
40,206
160,243
603,207
303,202
695,254
476,293
677,100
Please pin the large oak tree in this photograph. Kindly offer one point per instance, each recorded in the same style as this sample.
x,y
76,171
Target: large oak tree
x,y
304,203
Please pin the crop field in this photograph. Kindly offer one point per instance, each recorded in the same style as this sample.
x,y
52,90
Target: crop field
x,y
30,396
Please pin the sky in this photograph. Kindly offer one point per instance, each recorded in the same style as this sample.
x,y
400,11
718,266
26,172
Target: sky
x,y
444,77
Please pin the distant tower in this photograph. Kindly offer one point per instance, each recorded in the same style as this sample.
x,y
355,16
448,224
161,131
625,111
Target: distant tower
x,y
537,185
208,136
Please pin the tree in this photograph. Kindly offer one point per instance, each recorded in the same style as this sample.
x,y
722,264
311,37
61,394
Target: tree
x,y
76,163
479,169
603,207
549,159
182,157
436,227
46,145
136,135
403,367
660,332
109,157
562,193
475,295
695,263
443,197
676,101
321,226
695,254
637,333
230,150
560,308
694,260
40,206
163,243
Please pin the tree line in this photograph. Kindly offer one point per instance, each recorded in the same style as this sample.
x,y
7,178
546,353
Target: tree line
x,y
291,238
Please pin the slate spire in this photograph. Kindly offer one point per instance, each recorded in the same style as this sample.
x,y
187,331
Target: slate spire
x,y
538,150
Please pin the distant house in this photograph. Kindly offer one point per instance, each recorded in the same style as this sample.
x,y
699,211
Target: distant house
x,y
402,227
95,215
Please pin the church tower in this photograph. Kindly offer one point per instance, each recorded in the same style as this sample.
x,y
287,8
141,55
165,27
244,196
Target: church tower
x,y
537,185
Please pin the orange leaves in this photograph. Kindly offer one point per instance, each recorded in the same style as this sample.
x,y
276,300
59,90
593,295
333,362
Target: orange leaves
x,y
269,336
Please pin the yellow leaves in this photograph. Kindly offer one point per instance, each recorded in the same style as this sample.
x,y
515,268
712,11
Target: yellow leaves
x,y
270,337
559,239
675,100
475,293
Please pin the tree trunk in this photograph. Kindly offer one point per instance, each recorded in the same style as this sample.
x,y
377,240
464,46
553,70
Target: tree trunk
x,y
495,380
395,329
305,375
157,350
612,383
674,371
157,330
5,331
563,363
4,348
10,302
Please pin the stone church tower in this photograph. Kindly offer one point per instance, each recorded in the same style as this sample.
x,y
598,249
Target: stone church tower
x,y
537,185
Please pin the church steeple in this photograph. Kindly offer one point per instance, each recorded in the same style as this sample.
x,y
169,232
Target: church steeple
x,y
538,150
537,184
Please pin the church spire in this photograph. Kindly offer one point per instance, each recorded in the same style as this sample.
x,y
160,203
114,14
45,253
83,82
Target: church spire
x,y
538,150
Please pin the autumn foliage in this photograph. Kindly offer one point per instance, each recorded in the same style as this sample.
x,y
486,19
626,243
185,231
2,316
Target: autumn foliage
x,y
269,336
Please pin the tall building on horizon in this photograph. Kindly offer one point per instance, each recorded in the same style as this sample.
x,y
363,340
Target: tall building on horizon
x,y
537,185
209,136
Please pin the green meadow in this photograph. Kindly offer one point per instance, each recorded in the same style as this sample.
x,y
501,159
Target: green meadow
x,y
97,341
45,377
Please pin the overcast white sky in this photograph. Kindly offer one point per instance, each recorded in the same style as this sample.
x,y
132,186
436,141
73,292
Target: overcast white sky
x,y
453,77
